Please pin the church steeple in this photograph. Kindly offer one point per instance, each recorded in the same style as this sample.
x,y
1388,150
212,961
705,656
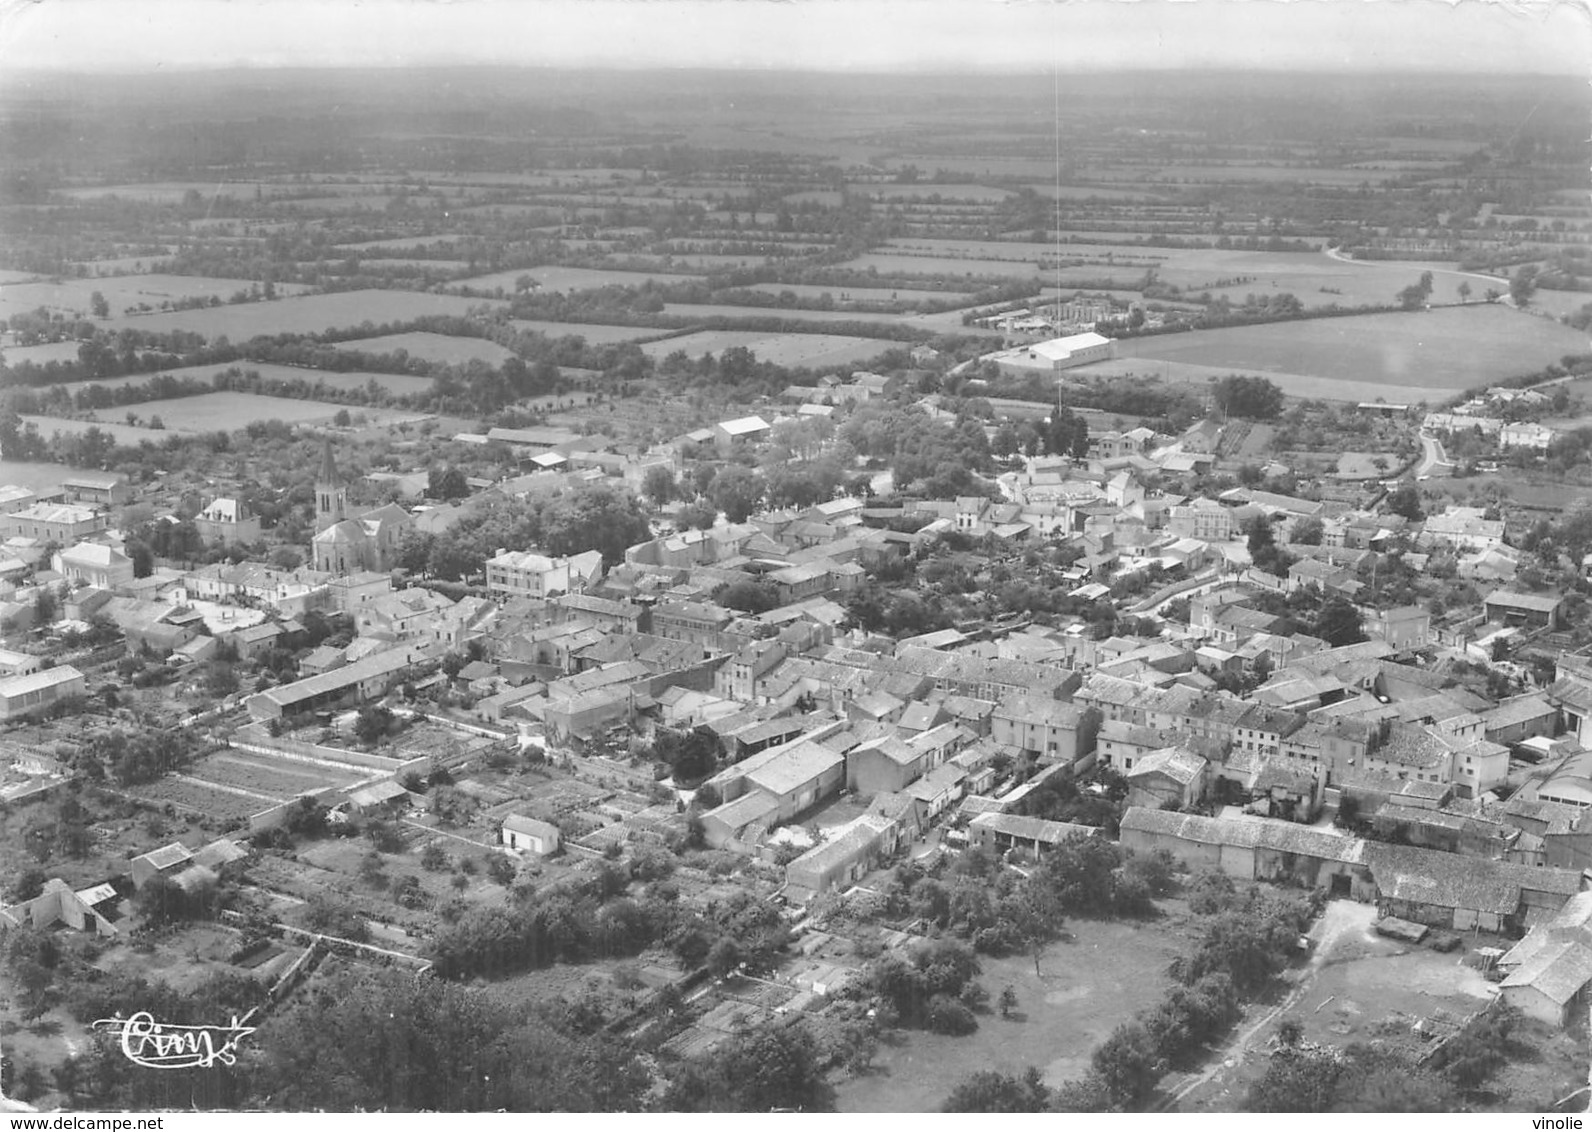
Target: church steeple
x,y
331,497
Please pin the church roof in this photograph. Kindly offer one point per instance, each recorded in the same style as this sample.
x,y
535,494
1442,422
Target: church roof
x,y
328,472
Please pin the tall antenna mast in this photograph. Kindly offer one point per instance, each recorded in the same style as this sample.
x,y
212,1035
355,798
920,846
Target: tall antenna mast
x,y
1055,82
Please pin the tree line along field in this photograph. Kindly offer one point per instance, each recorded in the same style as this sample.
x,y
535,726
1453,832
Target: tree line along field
x,y
1442,351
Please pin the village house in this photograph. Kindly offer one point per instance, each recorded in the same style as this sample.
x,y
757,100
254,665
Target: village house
x,y
229,522
523,573
527,834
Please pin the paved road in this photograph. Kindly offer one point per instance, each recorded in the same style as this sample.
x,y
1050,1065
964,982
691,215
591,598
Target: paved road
x,y
1433,457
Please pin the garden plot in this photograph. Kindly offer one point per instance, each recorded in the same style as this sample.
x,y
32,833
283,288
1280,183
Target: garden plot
x,y
196,797
274,777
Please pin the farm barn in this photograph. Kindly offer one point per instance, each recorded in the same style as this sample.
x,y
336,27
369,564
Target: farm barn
x,y
1055,355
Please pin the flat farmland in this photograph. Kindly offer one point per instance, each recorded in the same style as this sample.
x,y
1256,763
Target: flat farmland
x,y
597,334
75,296
568,279
781,349
862,294
40,355
445,349
397,264
951,267
983,194
1292,384
9,277
263,774
228,412
129,435
1449,349
172,192
123,265
309,314
399,243
784,314
1104,975
399,384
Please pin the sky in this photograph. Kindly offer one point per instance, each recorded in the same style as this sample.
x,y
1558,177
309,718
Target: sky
x,y
1479,36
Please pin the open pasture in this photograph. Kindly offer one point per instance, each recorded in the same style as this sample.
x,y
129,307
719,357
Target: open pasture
x,y
813,350
1450,349
308,314
121,292
566,279
444,349
396,263
124,434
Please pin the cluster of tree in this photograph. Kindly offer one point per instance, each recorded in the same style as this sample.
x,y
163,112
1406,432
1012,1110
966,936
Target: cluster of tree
x,y
774,1067
933,988
1416,295
934,458
596,517
590,916
1253,398
388,1040
1354,1079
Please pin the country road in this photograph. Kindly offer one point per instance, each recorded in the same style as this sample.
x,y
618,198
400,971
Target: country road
x,y
1334,253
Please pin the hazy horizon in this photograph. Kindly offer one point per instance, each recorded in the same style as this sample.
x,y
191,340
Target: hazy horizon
x,y
977,37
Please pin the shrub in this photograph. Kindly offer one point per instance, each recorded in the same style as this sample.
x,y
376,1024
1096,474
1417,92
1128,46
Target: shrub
x,y
948,1016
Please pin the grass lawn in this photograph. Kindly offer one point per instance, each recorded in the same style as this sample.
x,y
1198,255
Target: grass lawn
x,y
1102,977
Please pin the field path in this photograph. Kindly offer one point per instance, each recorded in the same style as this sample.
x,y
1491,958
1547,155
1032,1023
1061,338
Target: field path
x,y
1340,917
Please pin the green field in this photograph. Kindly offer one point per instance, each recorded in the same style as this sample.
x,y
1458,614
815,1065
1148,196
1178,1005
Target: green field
x,y
1087,986
566,279
40,355
311,314
596,334
209,412
399,384
75,296
441,348
811,350
1442,350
